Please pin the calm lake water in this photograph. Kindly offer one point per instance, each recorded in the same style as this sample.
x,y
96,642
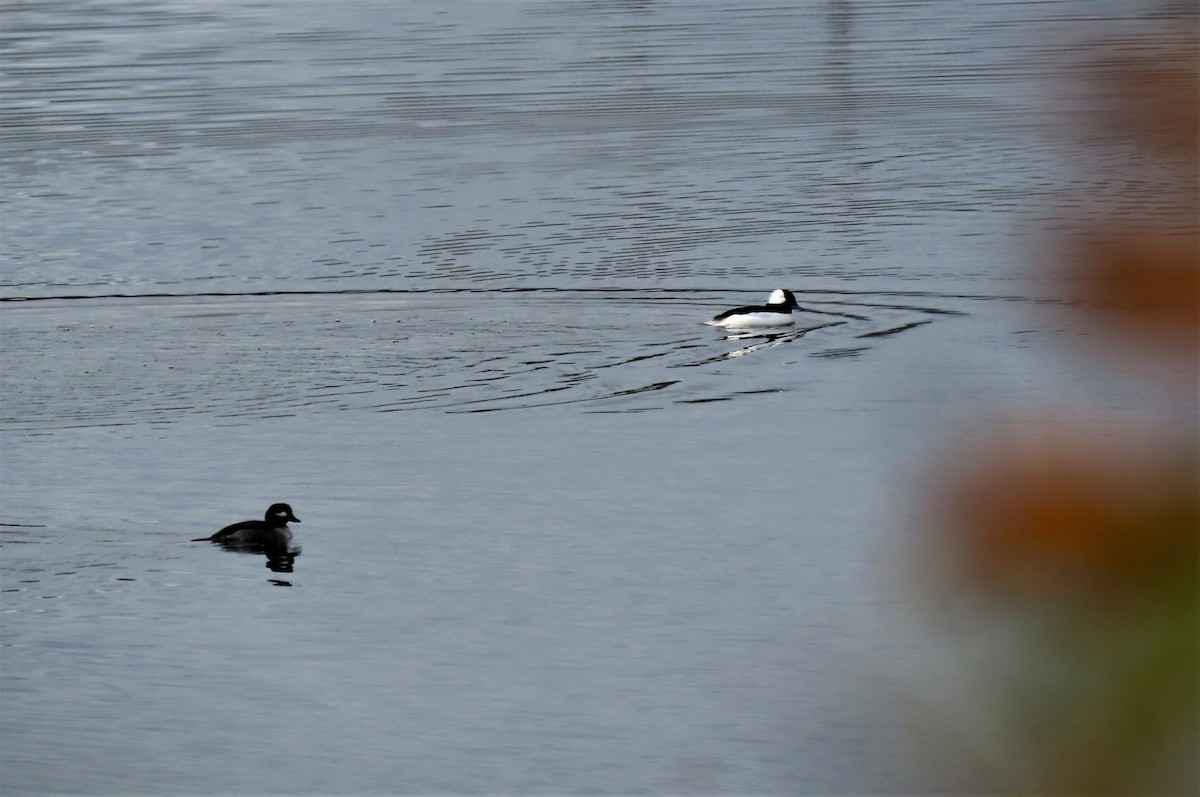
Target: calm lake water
x,y
434,273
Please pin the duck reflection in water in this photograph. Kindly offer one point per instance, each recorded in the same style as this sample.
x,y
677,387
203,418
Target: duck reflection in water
x,y
762,340
270,536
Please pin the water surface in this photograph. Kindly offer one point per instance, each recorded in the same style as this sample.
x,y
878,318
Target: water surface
x,y
436,274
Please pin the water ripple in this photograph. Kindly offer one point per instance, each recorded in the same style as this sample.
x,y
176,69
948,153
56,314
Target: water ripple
x,y
160,359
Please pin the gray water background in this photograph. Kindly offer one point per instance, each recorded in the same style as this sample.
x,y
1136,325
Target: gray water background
x,y
434,273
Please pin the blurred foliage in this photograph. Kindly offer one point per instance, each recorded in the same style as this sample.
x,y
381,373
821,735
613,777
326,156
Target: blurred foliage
x,y
1083,535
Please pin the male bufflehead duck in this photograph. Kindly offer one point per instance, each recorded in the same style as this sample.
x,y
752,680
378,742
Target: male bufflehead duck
x,y
272,530
777,312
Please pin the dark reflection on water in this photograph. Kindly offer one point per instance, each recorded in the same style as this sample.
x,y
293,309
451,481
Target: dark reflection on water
x,y
281,558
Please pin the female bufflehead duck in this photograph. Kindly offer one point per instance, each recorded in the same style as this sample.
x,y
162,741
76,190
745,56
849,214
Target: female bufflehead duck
x,y
272,530
777,312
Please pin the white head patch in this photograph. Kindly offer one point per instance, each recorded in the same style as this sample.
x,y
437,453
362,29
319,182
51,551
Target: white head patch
x,y
777,297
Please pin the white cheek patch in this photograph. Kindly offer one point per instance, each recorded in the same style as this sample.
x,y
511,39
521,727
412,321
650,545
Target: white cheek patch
x,y
777,297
